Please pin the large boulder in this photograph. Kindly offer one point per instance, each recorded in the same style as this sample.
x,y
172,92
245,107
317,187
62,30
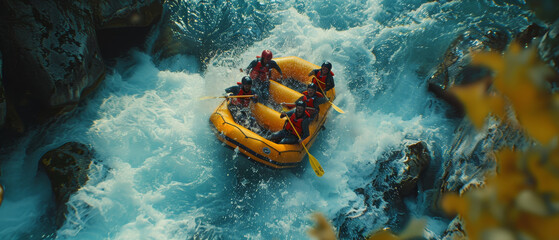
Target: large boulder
x,y
51,56
394,178
416,161
67,167
456,69
472,158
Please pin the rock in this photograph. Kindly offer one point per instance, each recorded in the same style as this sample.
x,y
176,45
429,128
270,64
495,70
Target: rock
x,y
471,157
416,160
51,59
51,55
67,167
119,14
3,105
545,10
549,46
124,25
394,178
526,37
455,230
456,69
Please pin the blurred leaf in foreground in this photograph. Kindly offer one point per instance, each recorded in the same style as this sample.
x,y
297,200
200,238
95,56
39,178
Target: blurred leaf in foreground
x,y
520,200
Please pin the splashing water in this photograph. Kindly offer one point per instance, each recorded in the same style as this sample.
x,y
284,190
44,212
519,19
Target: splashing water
x,y
160,173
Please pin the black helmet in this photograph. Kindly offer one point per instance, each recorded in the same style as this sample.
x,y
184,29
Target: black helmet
x,y
300,103
327,64
246,80
313,86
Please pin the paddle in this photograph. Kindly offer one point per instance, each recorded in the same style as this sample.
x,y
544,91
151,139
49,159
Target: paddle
x,y
239,96
333,105
314,163
292,105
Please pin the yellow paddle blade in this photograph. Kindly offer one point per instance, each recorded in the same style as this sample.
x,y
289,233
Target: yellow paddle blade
x,y
315,165
337,108
333,105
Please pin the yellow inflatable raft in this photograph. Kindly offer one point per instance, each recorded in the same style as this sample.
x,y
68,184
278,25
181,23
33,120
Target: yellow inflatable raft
x,y
258,148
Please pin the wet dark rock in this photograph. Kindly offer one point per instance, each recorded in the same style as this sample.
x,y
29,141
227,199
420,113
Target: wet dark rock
x,y
455,230
396,177
119,14
51,56
417,159
67,167
546,10
456,69
124,26
549,46
472,158
117,42
527,36
3,105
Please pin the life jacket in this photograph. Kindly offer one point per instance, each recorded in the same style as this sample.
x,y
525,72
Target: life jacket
x,y
297,123
259,71
321,80
244,102
310,100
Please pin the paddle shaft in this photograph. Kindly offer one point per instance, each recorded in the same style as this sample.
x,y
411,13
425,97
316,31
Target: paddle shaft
x,y
236,96
314,163
333,105
239,96
293,105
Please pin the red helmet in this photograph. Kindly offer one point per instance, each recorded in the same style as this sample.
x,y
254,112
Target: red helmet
x,y
266,54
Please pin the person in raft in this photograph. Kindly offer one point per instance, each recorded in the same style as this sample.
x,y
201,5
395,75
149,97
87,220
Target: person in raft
x,y
240,107
324,77
260,71
313,99
300,119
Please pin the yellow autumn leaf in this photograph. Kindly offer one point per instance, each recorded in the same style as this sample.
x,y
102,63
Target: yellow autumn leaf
x,y
515,200
323,229
539,227
492,60
477,102
520,77
383,235
546,181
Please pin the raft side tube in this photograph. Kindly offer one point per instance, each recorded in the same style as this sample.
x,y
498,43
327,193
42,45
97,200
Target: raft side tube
x,y
294,67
